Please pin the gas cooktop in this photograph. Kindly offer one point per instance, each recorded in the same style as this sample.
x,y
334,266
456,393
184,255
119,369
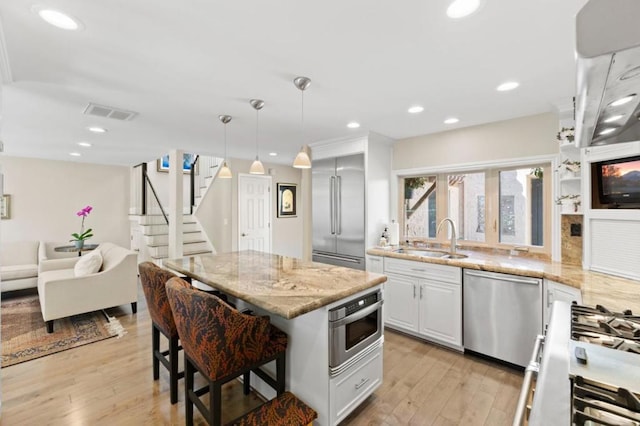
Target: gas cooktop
x,y
600,326
604,366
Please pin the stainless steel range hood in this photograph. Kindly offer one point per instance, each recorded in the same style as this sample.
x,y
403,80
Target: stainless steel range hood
x,y
608,70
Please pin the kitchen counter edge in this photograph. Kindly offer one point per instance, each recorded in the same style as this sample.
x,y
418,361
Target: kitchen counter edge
x,y
596,288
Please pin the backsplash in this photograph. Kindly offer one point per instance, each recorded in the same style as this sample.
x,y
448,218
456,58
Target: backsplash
x,y
571,245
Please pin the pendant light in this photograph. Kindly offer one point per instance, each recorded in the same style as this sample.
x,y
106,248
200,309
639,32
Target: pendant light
x,y
225,171
302,160
257,168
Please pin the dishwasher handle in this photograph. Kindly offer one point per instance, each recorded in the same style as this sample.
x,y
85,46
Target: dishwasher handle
x,y
509,278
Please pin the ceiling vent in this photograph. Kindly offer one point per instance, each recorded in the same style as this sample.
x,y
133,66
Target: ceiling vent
x,y
109,112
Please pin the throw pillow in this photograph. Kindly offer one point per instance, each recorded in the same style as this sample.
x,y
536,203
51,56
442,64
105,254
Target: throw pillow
x,y
89,264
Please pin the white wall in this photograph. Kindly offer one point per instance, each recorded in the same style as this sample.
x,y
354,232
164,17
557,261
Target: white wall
x,y
377,193
517,138
221,202
160,181
46,194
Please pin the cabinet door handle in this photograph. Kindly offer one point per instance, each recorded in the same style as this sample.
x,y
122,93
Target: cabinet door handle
x,y
549,298
414,291
421,292
362,383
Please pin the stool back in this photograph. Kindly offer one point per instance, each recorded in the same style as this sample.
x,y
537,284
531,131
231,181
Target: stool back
x,y
153,279
218,339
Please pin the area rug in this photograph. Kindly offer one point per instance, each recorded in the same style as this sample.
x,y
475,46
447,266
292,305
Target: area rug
x,y
25,337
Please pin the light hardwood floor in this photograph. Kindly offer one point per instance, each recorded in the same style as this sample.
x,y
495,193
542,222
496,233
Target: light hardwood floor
x,y
110,383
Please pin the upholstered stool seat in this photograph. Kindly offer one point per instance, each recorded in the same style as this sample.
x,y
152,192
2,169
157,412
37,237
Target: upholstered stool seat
x,y
222,344
153,279
285,410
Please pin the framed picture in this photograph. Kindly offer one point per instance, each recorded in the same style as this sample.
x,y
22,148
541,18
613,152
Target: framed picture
x,y
287,199
187,159
5,207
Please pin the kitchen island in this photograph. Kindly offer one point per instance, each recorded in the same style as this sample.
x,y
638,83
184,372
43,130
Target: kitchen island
x,y
298,296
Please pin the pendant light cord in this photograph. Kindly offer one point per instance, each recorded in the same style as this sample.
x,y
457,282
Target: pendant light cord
x,y
302,119
257,127
225,141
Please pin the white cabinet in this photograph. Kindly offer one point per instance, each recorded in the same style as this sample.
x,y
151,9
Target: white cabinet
x,y
375,264
425,300
400,302
441,311
556,291
355,384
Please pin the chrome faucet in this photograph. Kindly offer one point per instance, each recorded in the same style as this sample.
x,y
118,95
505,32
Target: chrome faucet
x,y
453,233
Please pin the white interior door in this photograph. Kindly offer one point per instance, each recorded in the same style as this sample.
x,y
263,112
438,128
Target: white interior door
x,y
254,213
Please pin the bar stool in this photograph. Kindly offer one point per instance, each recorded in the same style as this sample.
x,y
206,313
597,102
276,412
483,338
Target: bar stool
x,y
222,344
285,410
153,279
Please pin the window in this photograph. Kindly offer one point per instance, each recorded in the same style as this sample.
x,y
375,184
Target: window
x,y
480,227
521,207
490,207
420,206
464,205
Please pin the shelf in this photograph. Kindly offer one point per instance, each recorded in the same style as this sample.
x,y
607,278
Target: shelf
x,y
569,147
570,179
578,213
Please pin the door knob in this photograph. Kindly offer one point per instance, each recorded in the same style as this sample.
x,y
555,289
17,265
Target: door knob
x,y
243,235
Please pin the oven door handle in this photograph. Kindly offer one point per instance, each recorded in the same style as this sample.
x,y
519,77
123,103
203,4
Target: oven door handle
x,y
356,315
531,369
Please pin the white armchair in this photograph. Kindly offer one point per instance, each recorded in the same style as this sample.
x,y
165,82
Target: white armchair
x,y
63,294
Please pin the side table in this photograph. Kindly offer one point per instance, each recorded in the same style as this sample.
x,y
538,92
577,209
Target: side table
x,y
86,247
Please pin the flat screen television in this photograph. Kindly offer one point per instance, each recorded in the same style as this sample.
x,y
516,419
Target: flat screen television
x,y
619,181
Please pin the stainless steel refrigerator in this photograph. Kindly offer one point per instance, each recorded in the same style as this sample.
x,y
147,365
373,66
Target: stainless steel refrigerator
x,y
338,211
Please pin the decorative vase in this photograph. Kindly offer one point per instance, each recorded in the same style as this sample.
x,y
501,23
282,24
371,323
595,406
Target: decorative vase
x,y
568,207
79,244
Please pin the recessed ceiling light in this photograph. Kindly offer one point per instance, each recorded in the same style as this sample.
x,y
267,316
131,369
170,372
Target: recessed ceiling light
x,y
622,101
415,109
75,154
57,19
613,118
96,129
451,120
84,144
461,8
607,131
509,85
353,125
273,154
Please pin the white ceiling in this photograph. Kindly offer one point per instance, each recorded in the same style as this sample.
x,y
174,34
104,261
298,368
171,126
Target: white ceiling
x,y
180,64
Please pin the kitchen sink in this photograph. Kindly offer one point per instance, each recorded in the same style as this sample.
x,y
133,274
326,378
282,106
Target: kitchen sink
x,y
431,253
455,256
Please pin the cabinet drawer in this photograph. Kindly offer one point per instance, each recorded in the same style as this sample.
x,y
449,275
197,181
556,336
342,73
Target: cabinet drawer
x,y
355,384
430,271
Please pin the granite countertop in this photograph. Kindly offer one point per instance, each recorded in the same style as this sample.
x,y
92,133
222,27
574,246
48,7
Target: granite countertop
x,y
284,286
613,292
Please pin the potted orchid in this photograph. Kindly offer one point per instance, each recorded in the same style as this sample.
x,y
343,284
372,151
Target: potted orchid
x,y
566,135
79,238
570,203
570,168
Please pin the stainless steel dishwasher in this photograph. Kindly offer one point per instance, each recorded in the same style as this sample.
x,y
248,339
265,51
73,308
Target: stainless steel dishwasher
x,y
502,315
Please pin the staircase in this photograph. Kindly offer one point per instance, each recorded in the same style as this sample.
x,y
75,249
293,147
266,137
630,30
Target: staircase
x,y
150,235
155,235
